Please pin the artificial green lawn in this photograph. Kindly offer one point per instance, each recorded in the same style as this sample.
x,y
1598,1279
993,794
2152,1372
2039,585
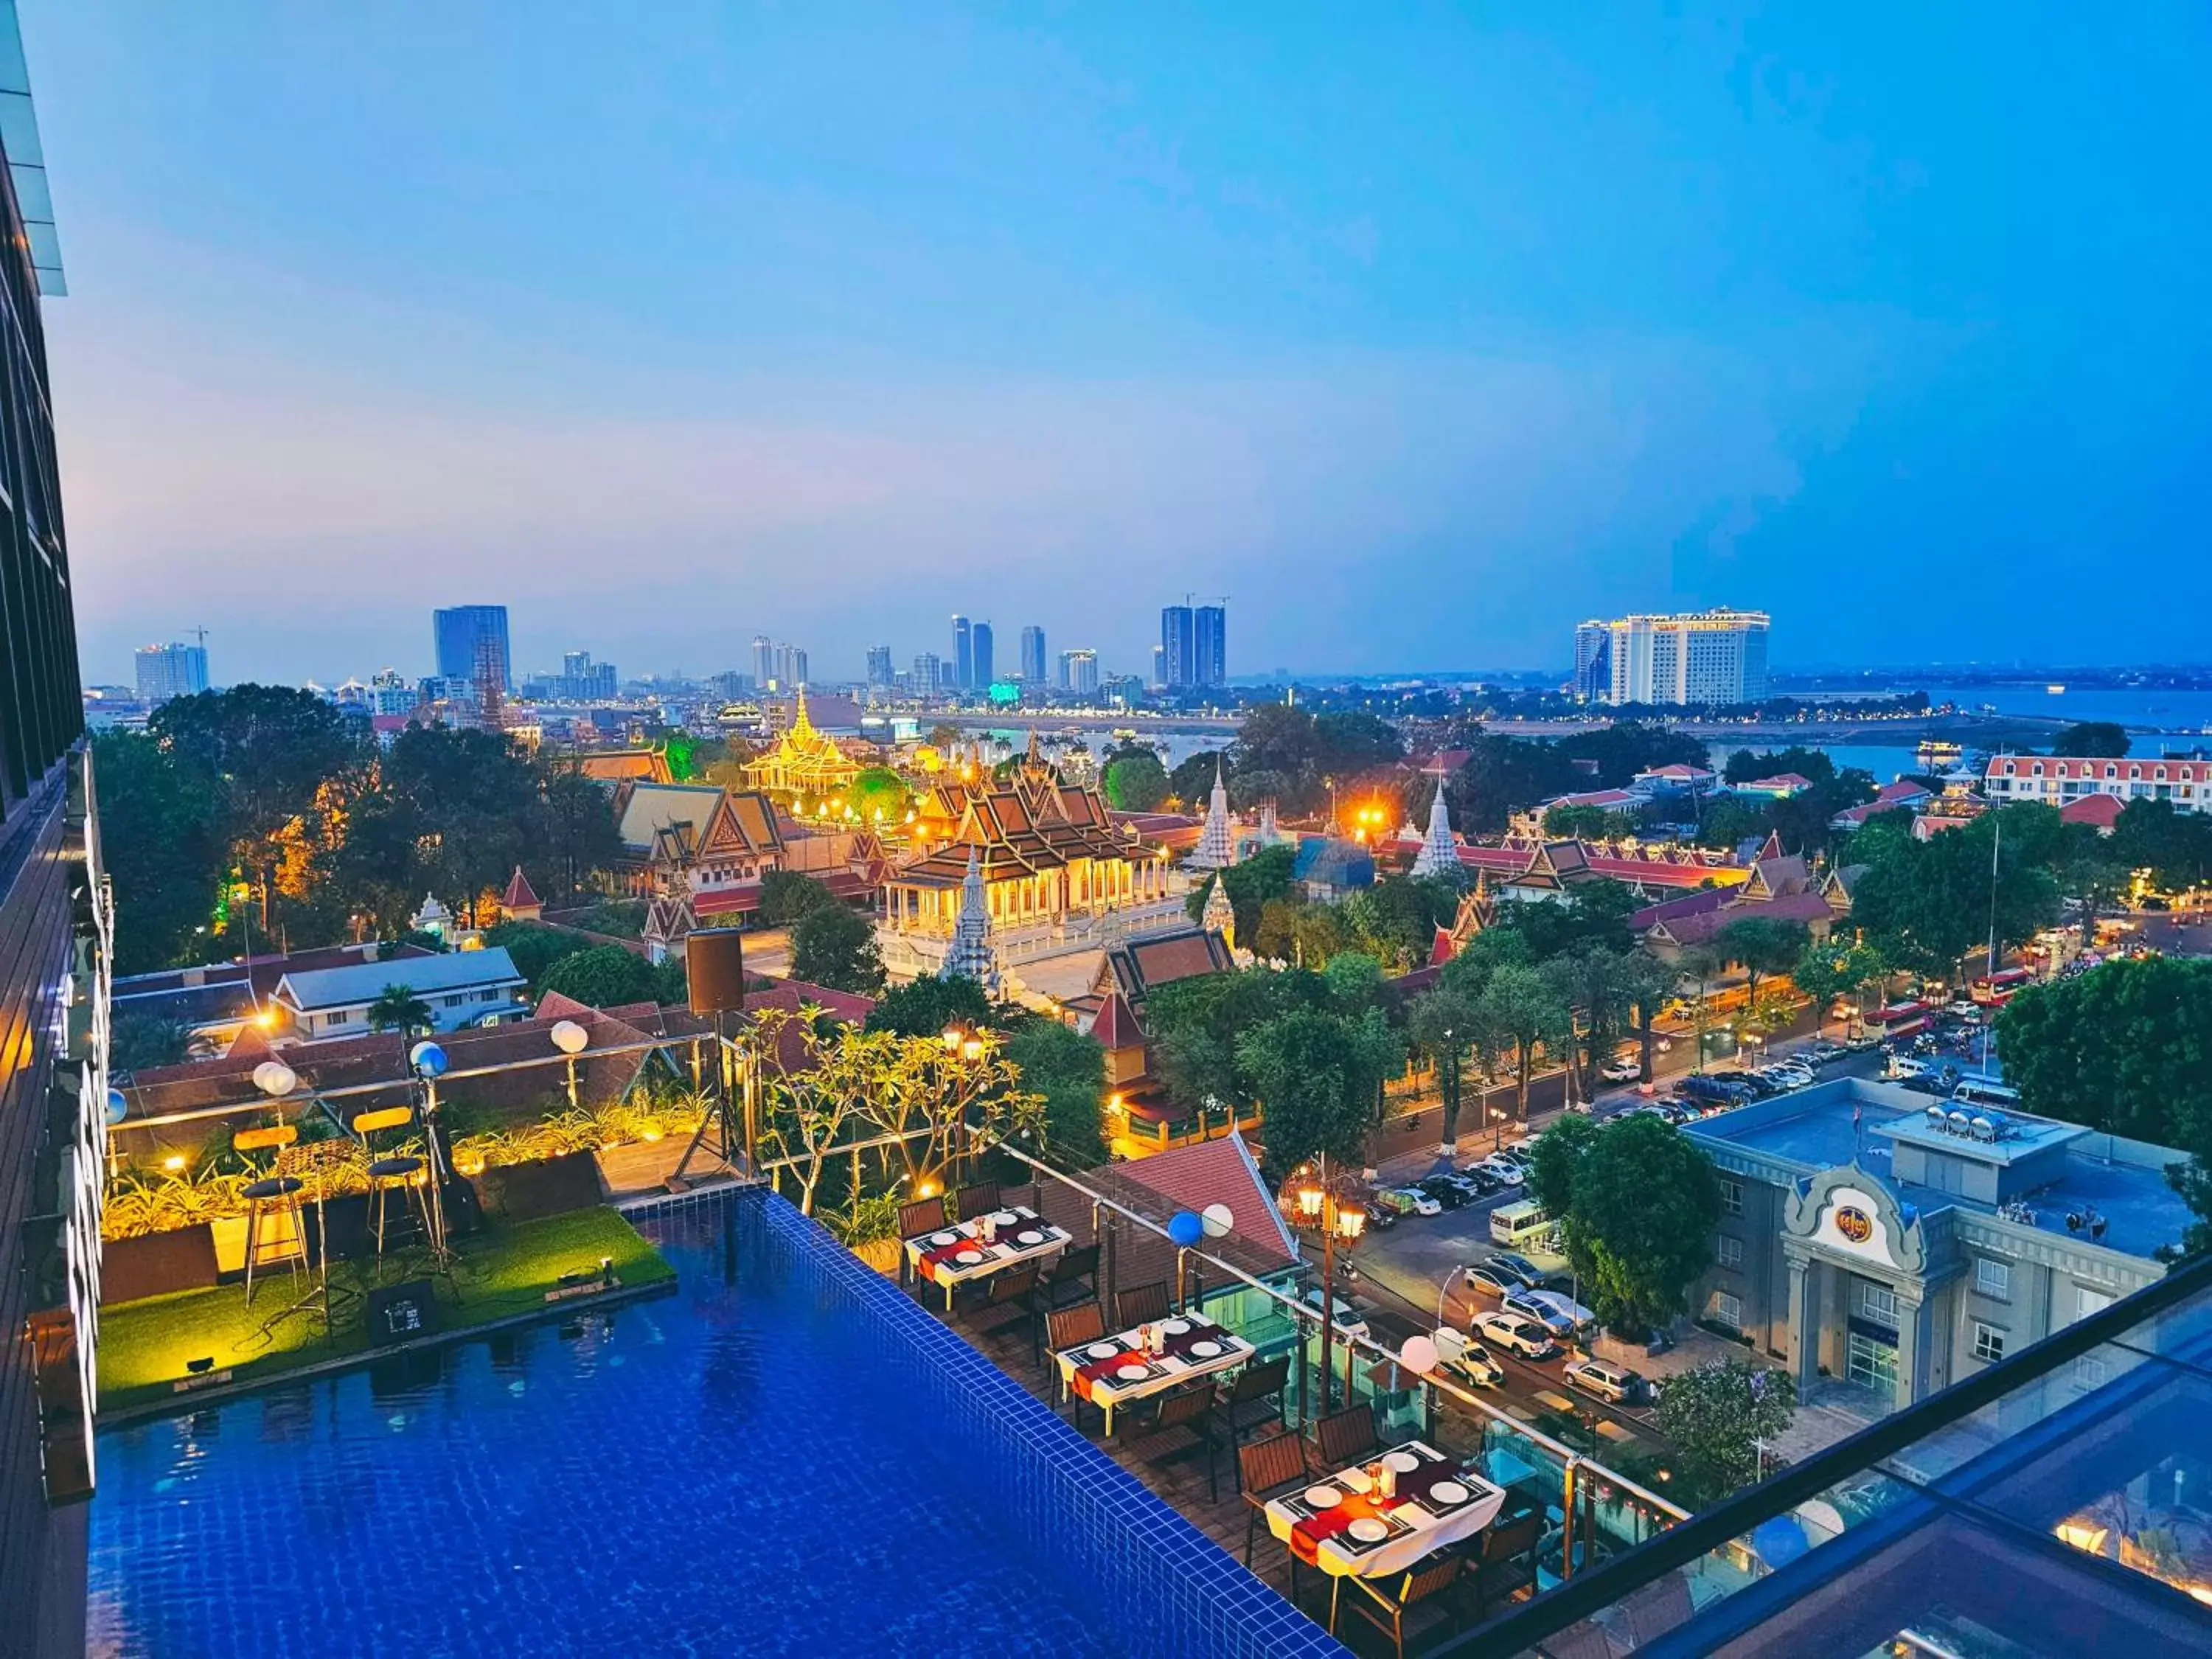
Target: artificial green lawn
x,y
501,1271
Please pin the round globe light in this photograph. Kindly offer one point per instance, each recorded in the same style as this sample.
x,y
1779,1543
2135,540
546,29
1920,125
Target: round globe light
x,y
1219,1219
569,1037
274,1077
118,1107
428,1059
1418,1354
1185,1229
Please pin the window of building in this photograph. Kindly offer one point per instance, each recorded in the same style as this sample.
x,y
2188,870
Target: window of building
x,y
1989,1343
2090,1371
2087,1301
1726,1309
1732,1197
1993,1278
1878,1302
451,1002
1728,1251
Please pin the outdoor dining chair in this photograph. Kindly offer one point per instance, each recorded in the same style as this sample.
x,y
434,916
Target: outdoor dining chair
x,y
980,1199
1417,1604
1253,1400
1344,1437
1069,1277
1174,1430
924,1215
1504,1559
1266,1469
1069,1328
1008,1289
1136,1304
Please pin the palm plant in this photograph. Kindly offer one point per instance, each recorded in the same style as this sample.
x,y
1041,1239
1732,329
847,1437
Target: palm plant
x,y
398,1009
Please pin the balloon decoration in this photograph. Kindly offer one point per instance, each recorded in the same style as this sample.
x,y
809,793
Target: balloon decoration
x,y
1779,1540
274,1077
1418,1354
1186,1229
1217,1219
569,1037
428,1059
117,1107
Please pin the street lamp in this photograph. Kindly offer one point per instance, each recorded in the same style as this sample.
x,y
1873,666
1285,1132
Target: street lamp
x,y
1313,1192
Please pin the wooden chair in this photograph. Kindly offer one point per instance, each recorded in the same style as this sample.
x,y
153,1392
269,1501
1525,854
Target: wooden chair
x,y
1266,1469
1504,1559
1071,1277
924,1215
398,1172
1253,1400
980,1199
1175,1430
1139,1303
1419,1602
275,1232
1344,1437
1008,1289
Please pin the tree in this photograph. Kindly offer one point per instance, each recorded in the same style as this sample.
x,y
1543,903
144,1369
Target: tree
x,y
1253,884
2174,846
1628,747
1718,1418
2094,738
582,836
1136,783
1747,765
1317,1075
535,947
1595,911
478,796
1586,823
1762,945
1701,964
786,896
1647,985
1522,1010
1834,968
1926,904
2090,873
878,796
139,1042
1500,776
1069,1069
398,1009
836,947
1444,1024
2126,1048
603,977
930,1005
1553,1158
1594,981
1733,818
163,848
1639,1228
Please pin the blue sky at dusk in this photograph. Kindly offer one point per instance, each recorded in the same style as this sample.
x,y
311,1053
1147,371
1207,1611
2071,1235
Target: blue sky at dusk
x,y
1420,332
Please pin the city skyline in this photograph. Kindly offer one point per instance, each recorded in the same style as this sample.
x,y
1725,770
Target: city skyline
x,y
1824,342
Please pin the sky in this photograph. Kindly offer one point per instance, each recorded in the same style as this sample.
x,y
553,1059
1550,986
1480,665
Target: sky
x,y
1420,333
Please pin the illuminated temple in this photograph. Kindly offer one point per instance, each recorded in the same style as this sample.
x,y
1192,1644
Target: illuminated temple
x,y
1046,851
805,762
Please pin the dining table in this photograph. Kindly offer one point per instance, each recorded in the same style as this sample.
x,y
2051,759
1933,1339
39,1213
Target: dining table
x,y
964,1252
1148,1359
1385,1514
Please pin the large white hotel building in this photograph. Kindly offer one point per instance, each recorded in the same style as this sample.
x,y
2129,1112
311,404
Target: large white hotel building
x,y
1710,657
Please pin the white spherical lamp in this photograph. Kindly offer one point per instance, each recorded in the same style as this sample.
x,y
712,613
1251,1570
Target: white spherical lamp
x,y
1418,1354
1219,1219
274,1077
569,1037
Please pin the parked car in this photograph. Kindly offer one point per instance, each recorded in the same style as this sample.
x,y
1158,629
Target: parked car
x,y
1467,1359
1516,1334
1622,1071
1448,1190
1347,1317
1483,1181
1408,1201
1519,1266
1558,1306
1862,1042
1381,1218
1608,1379
1506,1167
1491,1280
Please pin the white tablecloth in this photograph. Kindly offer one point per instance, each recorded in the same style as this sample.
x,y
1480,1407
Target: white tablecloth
x,y
1427,1531
1167,1372
1007,1250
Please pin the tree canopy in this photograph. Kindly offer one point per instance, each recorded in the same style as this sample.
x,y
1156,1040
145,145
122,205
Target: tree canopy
x,y
2126,1048
836,947
1320,1075
1136,782
2094,738
787,894
931,1004
1640,1203
603,977
1716,1417
1927,904
1069,1069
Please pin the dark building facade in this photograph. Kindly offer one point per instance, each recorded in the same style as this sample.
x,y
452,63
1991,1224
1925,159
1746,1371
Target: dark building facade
x,y
1210,646
52,1014
463,632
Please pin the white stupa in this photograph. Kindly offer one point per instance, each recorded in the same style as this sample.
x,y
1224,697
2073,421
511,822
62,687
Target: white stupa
x,y
971,954
1439,853
1214,850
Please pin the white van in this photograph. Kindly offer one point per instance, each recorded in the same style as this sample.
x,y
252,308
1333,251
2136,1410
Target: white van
x,y
1980,1092
1520,1226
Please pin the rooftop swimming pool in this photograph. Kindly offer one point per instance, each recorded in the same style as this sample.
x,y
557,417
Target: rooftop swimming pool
x,y
785,1457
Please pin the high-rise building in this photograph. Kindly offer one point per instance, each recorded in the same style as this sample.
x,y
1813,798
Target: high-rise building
x,y
1210,646
1033,654
171,670
777,666
461,631
980,644
964,655
1702,657
928,674
52,1151
879,666
582,680
1593,662
1078,671
1175,665
763,660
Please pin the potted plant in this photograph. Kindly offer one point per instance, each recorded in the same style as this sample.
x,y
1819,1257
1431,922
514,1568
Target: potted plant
x,y
870,1231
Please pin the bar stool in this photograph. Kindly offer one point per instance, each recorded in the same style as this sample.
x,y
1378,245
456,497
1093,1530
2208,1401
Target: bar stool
x,y
400,1171
273,1198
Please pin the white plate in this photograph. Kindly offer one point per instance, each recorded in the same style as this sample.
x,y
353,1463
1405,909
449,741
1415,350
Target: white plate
x,y
1323,1498
1029,1239
1006,1218
1367,1530
968,1258
1175,1327
1447,1493
1204,1350
1134,1373
1404,1461
945,1238
1102,1350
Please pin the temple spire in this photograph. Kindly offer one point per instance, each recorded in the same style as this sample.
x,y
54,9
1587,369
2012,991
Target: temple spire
x,y
1439,854
1213,851
1219,916
971,954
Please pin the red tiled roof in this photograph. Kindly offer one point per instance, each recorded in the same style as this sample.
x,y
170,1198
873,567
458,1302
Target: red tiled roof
x,y
1441,949
1781,781
1115,1025
1688,904
1216,1172
847,1005
2102,810
519,895
1697,928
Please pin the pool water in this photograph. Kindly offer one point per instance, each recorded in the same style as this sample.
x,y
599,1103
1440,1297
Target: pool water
x,y
739,1469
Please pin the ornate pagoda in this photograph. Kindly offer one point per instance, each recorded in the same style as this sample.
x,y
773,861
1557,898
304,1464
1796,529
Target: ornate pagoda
x,y
805,762
1213,851
1439,853
971,954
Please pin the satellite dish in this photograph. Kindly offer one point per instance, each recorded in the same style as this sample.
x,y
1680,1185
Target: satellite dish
x,y
1219,1219
274,1077
569,1037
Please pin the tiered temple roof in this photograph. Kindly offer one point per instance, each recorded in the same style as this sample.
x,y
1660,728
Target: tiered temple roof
x,y
1029,825
805,762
